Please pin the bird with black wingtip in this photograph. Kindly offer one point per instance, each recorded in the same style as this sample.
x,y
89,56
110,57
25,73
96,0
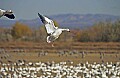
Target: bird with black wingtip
x,y
52,31
8,13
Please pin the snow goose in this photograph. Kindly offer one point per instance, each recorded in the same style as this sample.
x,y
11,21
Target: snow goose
x,y
52,31
7,13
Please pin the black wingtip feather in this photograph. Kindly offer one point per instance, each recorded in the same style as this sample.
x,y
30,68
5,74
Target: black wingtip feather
x,y
10,16
41,17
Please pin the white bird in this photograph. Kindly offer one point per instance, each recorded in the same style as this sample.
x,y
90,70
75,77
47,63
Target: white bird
x,y
7,13
52,31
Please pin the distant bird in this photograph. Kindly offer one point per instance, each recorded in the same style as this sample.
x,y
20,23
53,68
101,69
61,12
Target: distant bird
x,y
7,13
52,31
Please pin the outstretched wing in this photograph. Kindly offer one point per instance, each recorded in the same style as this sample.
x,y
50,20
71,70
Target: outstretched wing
x,y
49,24
11,16
1,12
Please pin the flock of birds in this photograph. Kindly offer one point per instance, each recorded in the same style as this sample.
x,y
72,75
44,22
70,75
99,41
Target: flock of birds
x,y
52,31
55,70
59,70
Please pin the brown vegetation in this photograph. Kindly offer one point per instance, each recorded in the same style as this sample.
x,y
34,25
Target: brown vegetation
x,y
103,37
100,32
76,52
89,47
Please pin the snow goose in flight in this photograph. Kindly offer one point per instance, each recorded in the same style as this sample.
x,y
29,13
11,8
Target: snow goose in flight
x,y
52,31
7,13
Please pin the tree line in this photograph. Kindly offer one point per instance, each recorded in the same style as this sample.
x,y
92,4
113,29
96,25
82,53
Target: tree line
x,y
100,32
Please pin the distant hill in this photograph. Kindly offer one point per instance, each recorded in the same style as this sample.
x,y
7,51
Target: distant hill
x,y
65,20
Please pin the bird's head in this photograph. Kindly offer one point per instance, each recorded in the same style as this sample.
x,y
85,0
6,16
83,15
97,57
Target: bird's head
x,y
9,11
68,30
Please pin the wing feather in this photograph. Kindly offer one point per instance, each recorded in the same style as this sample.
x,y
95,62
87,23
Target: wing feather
x,y
49,28
11,16
49,24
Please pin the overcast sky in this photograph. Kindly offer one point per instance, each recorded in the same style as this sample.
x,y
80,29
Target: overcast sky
x,y
28,9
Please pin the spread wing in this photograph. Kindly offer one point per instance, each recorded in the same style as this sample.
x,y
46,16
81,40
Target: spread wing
x,y
11,16
2,12
7,13
49,24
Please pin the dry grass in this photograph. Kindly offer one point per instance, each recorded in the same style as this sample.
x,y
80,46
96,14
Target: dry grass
x,y
29,52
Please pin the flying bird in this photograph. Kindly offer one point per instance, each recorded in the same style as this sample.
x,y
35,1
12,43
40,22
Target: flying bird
x,y
7,13
52,31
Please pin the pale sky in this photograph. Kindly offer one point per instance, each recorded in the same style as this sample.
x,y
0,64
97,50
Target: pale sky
x,y
28,9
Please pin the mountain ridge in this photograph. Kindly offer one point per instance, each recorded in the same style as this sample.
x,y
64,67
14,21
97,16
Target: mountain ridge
x,y
65,20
